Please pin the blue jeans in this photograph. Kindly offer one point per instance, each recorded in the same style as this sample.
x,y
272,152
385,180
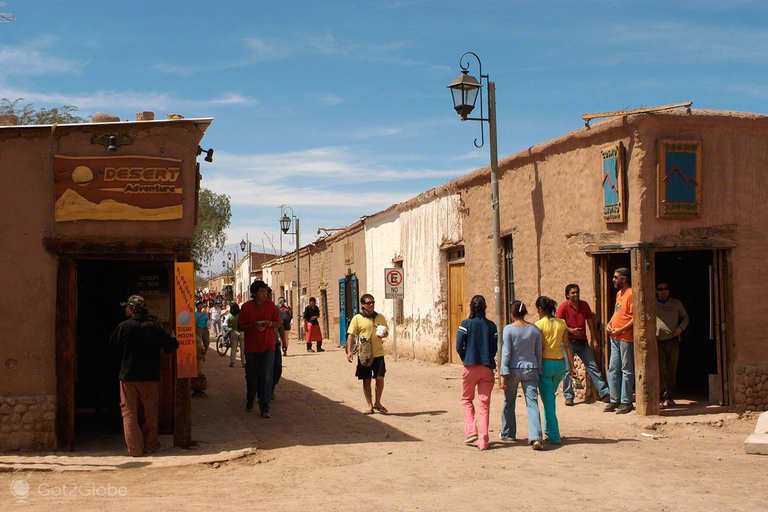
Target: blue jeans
x,y
531,392
278,371
259,368
549,380
584,351
621,371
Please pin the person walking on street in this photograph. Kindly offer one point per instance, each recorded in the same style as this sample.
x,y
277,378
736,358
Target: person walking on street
x,y
621,369
235,336
521,365
216,319
280,341
286,316
554,340
139,341
578,315
312,327
202,321
477,344
257,321
371,326
671,320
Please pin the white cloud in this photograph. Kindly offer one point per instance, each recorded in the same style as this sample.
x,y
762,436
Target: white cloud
x,y
35,58
377,132
325,162
330,99
125,100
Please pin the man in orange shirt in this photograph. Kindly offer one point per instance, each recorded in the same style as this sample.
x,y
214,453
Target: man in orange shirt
x,y
621,370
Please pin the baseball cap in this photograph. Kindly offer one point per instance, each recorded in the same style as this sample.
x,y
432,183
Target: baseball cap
x,y
136,301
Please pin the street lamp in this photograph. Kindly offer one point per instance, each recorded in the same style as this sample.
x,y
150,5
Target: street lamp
x,y
465,89
285,226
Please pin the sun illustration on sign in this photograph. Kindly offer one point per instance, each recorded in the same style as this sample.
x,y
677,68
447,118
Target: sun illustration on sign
x,y
82,175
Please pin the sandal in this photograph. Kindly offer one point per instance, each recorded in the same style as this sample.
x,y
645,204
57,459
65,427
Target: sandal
x,y
368,411
381,409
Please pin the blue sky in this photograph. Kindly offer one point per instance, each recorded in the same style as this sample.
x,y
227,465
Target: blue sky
x,y
339,109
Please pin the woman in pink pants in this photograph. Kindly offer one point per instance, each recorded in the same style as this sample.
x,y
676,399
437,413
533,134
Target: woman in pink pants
x,y
477,343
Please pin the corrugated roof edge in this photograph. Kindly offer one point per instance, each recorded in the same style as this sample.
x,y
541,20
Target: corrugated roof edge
x,y
197,120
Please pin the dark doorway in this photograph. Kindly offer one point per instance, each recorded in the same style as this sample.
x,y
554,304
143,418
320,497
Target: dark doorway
x,y
689,275
101,287
606,299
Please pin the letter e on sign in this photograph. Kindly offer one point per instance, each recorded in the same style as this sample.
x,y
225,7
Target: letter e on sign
x,y
394,283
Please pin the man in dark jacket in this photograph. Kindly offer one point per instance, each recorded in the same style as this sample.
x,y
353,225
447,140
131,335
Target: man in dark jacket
x,y
139,341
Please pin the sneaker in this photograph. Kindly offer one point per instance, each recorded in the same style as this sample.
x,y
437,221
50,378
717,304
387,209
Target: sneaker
x,y
537,446
670,403
606,398
265,415
624,408
569,402
507,439
470,439
611,407
249,406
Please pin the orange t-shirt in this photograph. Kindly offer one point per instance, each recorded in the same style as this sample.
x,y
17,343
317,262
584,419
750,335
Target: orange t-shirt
x,y
623,314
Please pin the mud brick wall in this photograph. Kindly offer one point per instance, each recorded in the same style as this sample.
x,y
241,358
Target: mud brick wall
x,y
27,423
751,388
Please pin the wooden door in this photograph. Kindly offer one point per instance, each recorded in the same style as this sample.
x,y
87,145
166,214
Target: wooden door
x,y
343,312
721,301
456,307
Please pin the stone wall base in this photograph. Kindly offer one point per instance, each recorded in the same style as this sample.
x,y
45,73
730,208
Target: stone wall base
x,y
27,423
751,384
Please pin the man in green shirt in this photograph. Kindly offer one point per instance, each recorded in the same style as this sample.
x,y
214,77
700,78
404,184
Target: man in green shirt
x,y
671,321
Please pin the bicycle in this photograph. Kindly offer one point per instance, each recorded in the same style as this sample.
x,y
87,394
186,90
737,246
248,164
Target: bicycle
x,y
223,343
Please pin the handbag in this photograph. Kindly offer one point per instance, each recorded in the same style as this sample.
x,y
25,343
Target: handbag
x,y
364,350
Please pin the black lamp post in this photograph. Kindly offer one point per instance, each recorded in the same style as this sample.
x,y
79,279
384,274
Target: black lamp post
x,y
285,226
465,89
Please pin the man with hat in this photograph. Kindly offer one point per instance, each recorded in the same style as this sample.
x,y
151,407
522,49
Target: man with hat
x,y
139,341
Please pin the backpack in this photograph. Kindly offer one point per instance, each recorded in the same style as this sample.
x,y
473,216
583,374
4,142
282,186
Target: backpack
x,y
285,316
364,350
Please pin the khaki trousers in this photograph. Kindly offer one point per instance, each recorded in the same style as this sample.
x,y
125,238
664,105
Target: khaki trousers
x,y
139,403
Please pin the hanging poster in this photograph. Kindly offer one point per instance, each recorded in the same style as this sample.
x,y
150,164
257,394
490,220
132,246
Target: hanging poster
x,y
679,178
117,188
612,181
186,354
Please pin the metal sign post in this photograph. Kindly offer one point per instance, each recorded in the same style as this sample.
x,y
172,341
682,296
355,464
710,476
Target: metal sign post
x,y
394,288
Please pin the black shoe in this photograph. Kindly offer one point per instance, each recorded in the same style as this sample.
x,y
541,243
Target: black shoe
x,y
249,406
624,409
606,398
611,407
321,350
569,402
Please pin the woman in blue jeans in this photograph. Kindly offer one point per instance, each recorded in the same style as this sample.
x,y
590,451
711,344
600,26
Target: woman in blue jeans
x,y
520,365
554,340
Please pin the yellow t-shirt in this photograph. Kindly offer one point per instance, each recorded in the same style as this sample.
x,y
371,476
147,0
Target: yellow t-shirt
x,y
552,330
366,327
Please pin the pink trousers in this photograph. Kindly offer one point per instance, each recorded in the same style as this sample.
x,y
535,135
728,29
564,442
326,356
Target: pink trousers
x,y
139,403
481,377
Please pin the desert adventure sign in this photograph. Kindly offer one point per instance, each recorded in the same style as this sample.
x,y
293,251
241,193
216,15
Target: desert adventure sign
x,y
137,188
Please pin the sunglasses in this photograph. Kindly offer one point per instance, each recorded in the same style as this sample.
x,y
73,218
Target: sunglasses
x,y
369,303
662,289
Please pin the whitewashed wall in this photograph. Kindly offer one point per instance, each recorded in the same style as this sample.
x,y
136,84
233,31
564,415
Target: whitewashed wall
x,y
415,234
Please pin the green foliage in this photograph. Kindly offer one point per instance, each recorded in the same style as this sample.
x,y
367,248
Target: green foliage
x,y
25,114
214,214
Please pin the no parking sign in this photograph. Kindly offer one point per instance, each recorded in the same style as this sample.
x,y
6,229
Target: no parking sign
x,y
394,283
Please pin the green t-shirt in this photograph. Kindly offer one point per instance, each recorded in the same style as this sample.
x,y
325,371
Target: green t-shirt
x,y
232,321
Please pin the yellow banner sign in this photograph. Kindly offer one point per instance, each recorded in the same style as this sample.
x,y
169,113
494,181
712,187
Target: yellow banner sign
x,y
186,355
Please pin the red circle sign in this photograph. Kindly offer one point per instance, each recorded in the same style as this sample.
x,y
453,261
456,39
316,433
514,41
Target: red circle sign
x,y
394,278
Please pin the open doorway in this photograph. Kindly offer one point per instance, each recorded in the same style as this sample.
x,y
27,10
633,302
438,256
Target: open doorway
x,y
101,286
690,276
605,296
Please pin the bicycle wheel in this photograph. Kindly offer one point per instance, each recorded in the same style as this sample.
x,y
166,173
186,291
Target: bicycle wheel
x,y
221,345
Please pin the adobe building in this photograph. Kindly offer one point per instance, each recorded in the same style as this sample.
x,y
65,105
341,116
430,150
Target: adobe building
x,y
672,196
93,214
333,270
675,196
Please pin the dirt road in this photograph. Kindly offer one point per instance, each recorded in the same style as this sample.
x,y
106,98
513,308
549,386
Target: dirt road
x,y
318,452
